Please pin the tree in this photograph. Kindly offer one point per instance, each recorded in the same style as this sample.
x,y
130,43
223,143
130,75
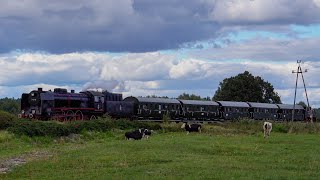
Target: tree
x,y
154,96
10,105
186,96
246,87
303,104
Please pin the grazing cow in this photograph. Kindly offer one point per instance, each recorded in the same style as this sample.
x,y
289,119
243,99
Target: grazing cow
x,y
136,135
191,127
147,133
267,127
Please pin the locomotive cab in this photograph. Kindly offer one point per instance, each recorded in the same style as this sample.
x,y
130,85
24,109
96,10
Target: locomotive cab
x,y
96,100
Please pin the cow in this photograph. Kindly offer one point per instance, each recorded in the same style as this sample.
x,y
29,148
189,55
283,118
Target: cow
x,y
191,127
267,127
136,135
147,133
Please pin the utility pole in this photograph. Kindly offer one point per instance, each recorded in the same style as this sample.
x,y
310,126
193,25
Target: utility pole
x,y
299,71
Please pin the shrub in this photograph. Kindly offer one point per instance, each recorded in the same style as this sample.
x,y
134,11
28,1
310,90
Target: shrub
x,y
172,127
39,128
57,129
6,119
280,127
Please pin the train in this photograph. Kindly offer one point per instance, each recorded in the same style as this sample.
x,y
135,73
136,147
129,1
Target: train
x,y
62,105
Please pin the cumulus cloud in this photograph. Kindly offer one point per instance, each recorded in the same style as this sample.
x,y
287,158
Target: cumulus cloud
x,y
265,49
254,12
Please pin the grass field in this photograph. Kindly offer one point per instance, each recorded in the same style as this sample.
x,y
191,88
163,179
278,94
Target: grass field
x,y
171,155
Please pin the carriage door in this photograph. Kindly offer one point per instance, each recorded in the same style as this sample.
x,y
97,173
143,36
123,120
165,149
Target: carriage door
x,y
98,103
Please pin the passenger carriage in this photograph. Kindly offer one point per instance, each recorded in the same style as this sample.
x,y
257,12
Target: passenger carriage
x,y
230,110
262,111
199,110
155,108
285,112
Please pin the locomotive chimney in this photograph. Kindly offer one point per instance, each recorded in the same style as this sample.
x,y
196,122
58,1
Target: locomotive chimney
x,y
39,89
72,91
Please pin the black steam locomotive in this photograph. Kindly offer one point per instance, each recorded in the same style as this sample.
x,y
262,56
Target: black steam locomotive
x,y
62,105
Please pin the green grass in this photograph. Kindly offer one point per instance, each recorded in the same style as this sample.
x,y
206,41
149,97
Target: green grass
x,y
171,155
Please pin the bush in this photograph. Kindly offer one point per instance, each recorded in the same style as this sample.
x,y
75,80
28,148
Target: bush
x,y
280,127
39,128
6,119
298,127
57,129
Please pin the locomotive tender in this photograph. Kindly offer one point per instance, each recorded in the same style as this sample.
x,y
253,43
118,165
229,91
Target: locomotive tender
x,y
62,105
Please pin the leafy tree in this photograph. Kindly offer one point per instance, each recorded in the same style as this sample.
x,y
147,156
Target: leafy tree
x,y
303,104
10,105
246,87
186,96
154,96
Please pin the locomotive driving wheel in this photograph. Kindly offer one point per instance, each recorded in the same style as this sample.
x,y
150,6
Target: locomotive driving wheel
x,y
59,116
93,117
79,115
70,116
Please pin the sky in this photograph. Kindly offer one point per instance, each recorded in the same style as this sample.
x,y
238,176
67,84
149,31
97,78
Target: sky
x,y
161,47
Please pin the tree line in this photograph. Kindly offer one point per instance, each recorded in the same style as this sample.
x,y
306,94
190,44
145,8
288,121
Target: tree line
x,y
10,105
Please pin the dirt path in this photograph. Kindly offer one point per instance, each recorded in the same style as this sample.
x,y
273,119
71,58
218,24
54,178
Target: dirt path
x,y
9,164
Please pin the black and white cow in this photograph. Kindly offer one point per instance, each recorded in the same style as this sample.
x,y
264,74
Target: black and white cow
x,y
191,127
136,134
147,133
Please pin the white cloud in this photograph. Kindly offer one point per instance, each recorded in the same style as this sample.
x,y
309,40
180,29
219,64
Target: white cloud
x,y
264,49
142,66
265,11
188,69
317,2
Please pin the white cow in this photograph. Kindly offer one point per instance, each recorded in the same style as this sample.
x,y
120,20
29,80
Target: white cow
x,y
267,127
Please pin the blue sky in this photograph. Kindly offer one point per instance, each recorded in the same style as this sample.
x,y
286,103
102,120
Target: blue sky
x,y
142,47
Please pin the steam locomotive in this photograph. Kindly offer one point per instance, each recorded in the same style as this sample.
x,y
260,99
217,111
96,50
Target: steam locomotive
x,y
62,105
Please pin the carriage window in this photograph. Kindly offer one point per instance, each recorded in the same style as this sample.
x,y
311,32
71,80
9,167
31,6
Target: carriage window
x,y
159,106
